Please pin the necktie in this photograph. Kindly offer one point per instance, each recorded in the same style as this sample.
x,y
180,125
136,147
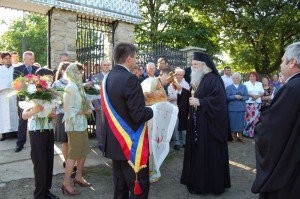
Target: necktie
x,y
29,69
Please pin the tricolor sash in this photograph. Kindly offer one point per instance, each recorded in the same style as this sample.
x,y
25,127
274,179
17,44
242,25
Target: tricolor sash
x,y
134,144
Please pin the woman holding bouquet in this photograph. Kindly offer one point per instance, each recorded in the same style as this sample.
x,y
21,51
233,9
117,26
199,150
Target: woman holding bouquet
x,y
42,145
76,110
60,133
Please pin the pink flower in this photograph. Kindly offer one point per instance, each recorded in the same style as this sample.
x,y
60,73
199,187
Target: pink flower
x,y
43,84
29,77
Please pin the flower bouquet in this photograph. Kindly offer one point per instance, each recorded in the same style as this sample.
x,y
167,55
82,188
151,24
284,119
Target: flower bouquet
x,y
93,93
37,92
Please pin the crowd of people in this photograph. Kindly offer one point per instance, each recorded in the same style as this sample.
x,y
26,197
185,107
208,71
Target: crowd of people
x,y
212,110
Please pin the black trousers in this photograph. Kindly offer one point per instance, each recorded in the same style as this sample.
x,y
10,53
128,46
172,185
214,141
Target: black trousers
x,y
22,129
42,155
124,181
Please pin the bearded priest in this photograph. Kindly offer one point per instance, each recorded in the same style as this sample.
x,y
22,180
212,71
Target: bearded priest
x,y
206,164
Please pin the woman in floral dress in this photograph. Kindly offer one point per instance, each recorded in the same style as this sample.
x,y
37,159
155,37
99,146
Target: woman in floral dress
x,y
253,104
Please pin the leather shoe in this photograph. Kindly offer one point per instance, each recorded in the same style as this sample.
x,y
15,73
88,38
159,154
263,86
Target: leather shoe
x,y
3,138
176,147
52,196
18,149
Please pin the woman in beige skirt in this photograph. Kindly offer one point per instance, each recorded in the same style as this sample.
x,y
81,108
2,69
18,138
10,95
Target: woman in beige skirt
x,y
75,118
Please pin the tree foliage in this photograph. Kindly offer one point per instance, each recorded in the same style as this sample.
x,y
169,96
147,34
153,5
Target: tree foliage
x,y
254,33
35,36
171,22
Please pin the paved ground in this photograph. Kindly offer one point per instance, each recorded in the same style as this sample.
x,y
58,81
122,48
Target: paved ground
x,y
242,166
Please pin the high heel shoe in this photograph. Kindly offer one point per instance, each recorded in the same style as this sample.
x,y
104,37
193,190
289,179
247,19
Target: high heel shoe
x,y
71,193
82,184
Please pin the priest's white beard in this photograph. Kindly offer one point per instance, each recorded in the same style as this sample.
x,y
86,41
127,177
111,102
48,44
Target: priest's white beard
x,y
198,74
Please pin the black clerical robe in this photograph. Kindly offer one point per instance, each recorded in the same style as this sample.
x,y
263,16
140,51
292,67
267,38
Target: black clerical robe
x,y
206,164
277,145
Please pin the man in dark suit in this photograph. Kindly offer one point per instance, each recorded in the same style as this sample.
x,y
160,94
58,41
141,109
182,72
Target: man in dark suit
x,y
277,137
126,96
23,70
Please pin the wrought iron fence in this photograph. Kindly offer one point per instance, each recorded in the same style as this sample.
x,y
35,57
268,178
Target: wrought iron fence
x,y
94,41
152,52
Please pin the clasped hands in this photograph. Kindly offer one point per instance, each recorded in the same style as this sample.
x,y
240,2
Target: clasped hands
x,y
238,97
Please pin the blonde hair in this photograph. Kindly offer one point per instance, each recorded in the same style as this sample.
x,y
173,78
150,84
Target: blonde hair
x,y
74,74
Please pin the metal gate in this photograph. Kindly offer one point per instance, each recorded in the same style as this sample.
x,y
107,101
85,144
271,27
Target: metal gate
x,y
152,52
95,39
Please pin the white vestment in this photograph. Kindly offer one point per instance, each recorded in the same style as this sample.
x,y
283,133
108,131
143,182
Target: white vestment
x,y
16,64
8,105
161,128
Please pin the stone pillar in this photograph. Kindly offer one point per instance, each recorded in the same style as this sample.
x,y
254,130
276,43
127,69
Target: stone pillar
x,y
124,33
63,35
190,53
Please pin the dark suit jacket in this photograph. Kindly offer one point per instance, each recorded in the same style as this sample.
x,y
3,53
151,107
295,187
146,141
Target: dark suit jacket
x,y
126,96
187,75
22,71
277,145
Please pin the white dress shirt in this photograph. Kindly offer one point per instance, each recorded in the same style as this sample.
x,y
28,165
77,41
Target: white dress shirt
x,y
227,80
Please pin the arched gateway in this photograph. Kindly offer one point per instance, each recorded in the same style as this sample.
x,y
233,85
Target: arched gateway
x,y
86,29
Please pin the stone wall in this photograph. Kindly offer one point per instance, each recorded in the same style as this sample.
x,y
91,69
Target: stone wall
x,y
124,33
63,34
190,53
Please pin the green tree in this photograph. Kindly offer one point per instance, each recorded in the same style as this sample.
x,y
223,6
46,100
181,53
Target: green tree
x,y
35,36
254,33
172,23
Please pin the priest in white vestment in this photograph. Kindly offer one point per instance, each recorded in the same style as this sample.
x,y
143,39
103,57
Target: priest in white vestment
x,y
8,105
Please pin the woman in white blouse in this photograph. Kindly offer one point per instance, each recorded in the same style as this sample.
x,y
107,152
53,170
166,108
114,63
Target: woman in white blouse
x,y
253,104
76,110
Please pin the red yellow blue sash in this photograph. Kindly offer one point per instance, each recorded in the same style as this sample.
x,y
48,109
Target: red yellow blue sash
x,y
133,143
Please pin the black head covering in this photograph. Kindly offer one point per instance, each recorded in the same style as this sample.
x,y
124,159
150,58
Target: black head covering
x,y
44,71
204,57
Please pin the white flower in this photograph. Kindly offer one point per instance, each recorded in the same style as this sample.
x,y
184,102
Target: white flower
x,y
97,86
31,89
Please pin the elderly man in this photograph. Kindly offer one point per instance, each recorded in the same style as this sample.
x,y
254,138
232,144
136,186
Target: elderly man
x,y
150,68
277,137
206,165
64,57
105,67
9,110
182,115
23,70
